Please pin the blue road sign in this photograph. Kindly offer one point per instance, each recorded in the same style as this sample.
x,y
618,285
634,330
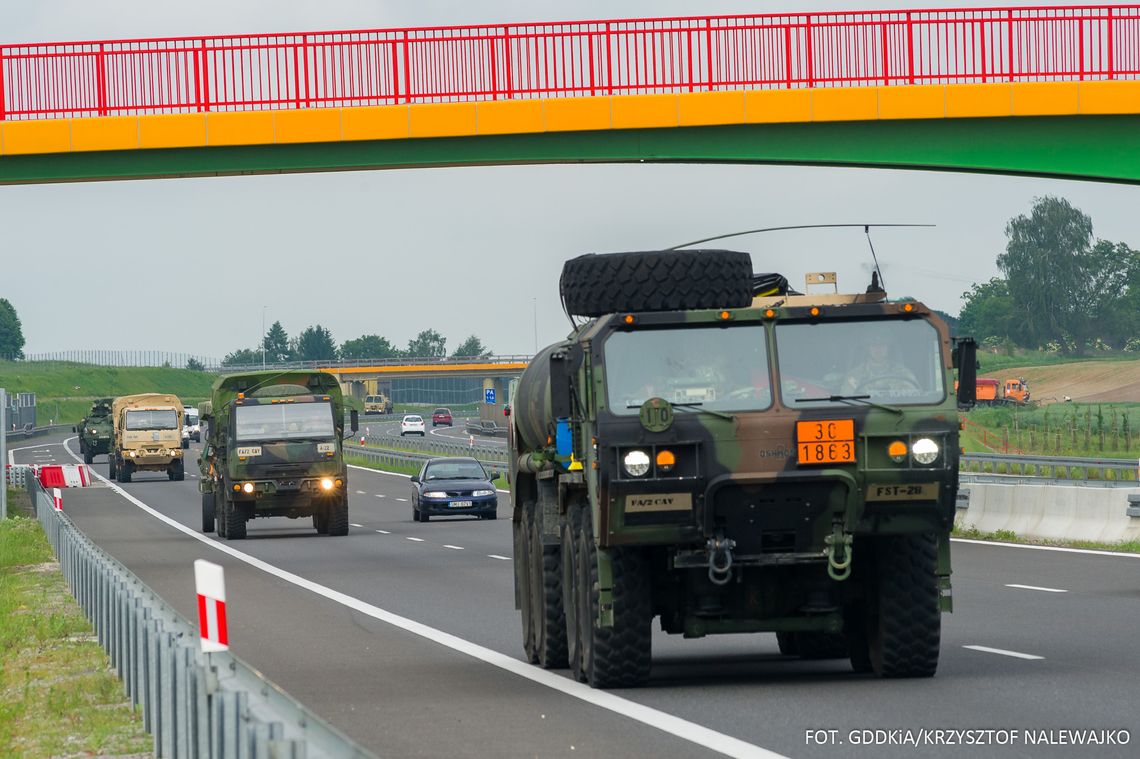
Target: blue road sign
x,y
489,395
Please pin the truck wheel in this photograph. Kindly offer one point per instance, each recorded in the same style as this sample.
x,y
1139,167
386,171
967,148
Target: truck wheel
x,y
235,520
618,656
787,643
821,645
112,470
524,577
546,600
125,471
207,512
337,511
321,520
178,470
220,509
88,457
667,280
186,442
906,624
571,590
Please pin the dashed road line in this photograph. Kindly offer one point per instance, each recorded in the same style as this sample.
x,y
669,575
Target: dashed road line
x,y
415,540
383,532
497,556
1035,587
354,524
1003,652
405,500
361,492
453,548
381,495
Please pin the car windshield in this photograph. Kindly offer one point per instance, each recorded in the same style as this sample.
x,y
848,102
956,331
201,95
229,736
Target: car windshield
x,y
710,366
284,421
895,362
191,420
454,470
152,419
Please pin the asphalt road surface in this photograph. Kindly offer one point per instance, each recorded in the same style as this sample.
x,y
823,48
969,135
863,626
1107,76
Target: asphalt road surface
x,y
404,635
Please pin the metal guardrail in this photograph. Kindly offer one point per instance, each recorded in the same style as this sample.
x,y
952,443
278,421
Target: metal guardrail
x,y
497,453
386,457
1061,468
37,431
194,705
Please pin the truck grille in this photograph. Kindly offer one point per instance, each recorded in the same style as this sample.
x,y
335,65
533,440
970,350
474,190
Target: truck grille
x,y
773,517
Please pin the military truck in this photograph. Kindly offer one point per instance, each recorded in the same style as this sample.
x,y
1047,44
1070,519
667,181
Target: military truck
x,y
146,436
687,454
95,430
274,448
377,404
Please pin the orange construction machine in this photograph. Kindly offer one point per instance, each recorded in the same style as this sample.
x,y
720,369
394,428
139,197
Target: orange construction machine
x,y
992,392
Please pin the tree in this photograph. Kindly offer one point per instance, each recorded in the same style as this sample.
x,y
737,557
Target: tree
x,y
195,365
472,347
315,344
11,333
276,345
989,312
242,357
366,347
427,344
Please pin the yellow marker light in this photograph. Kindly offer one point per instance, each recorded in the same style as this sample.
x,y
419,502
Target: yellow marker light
x,y
628,319
339,483
237,487
770,313
241,395
725,316
247,487
897,451
665,460
908,307
327,484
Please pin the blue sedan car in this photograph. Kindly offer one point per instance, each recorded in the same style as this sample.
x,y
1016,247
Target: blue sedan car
x,y
453,486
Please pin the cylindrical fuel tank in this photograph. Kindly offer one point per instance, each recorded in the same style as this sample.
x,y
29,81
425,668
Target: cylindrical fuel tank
x,y
531,406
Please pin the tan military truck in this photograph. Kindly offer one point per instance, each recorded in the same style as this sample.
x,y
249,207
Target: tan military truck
x,y
147,436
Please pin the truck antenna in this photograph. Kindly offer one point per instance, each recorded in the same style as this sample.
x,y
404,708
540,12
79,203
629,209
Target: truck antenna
x,y
793,226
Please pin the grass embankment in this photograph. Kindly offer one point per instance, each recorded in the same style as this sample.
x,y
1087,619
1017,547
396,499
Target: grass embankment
x,y
59,695
1087,430
64,390
1009,536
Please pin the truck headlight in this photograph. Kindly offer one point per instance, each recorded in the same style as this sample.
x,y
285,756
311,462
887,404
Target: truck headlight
x,y
636,463
924,450
247,487
326,483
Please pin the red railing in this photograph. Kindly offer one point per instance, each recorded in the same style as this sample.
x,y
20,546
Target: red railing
x,y
619,57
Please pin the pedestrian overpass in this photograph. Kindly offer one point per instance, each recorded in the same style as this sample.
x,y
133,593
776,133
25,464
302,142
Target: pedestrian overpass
x,y
1046,91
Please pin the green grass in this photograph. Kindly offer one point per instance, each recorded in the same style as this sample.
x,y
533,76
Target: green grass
x,y
1008,536
1033,431
64,390
58,693
991,362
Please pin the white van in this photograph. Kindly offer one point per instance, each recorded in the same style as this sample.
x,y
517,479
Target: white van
x,y
191,428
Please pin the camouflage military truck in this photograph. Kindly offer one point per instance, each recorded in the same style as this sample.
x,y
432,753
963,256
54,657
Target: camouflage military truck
x,y
274,448
688,453
95,430
146,436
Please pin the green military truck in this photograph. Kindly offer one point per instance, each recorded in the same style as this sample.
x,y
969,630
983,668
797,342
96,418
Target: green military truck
x,y
95,430
713,449
274,448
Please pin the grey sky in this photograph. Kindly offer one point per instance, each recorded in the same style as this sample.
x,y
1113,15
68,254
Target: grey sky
x,y
459,250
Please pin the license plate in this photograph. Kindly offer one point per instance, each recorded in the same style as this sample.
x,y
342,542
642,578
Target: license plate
x,y
828,441
460,504
926,491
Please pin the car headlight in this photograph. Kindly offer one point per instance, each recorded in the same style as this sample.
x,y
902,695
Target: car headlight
x,y
924,450
478,493
636,463
435,494
93,432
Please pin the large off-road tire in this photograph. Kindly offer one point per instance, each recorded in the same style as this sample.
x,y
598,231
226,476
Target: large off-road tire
x,y
88,457
220,509
787,642
521,538
338,516
571,592
125,471
321,520
904,634
618,656
547,613
112,467
821,645
208,512
668,280
234,516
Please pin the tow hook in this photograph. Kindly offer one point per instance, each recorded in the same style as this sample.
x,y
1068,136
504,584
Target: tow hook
x,y
720,558
838,554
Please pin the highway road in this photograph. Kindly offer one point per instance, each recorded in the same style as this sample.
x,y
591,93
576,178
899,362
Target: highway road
x,y
404,636
389,427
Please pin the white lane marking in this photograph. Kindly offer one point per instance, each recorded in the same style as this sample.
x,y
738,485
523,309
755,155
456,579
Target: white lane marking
x,y
381,495
405,500
1088,551
415,540
354,524
1035,587
361,492
12,451
666,723
453,548
497,556
378,471
383,532
1003,652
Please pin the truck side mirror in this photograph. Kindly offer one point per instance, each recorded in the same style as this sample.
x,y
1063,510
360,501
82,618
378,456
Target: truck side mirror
x,y
965,354
75,429
354,420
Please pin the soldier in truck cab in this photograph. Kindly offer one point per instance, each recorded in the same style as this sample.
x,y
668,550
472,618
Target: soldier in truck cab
x,y
880,370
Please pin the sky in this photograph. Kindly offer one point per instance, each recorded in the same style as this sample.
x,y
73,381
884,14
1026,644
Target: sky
x,y
459,250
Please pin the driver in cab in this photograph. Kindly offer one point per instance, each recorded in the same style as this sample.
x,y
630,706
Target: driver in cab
x,y
879,371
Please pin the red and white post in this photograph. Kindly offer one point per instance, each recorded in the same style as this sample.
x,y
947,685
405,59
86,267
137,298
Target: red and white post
x,y
211,585
57,499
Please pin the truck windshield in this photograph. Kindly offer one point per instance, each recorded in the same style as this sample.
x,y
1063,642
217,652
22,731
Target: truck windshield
x,y
706,366
284,421
191,419
152,419
894,362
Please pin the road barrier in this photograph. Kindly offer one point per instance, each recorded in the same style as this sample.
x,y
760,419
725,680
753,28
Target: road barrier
x,y
1059,468
382,457
194,704
483,452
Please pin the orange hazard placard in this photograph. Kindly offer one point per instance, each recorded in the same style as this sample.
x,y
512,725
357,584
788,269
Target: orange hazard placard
x,y
827,441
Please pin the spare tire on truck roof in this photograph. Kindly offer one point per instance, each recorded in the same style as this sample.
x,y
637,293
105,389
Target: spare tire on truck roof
x,y
666,280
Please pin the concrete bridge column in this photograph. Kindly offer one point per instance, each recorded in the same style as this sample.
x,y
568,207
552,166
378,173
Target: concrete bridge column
x,y
494,411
